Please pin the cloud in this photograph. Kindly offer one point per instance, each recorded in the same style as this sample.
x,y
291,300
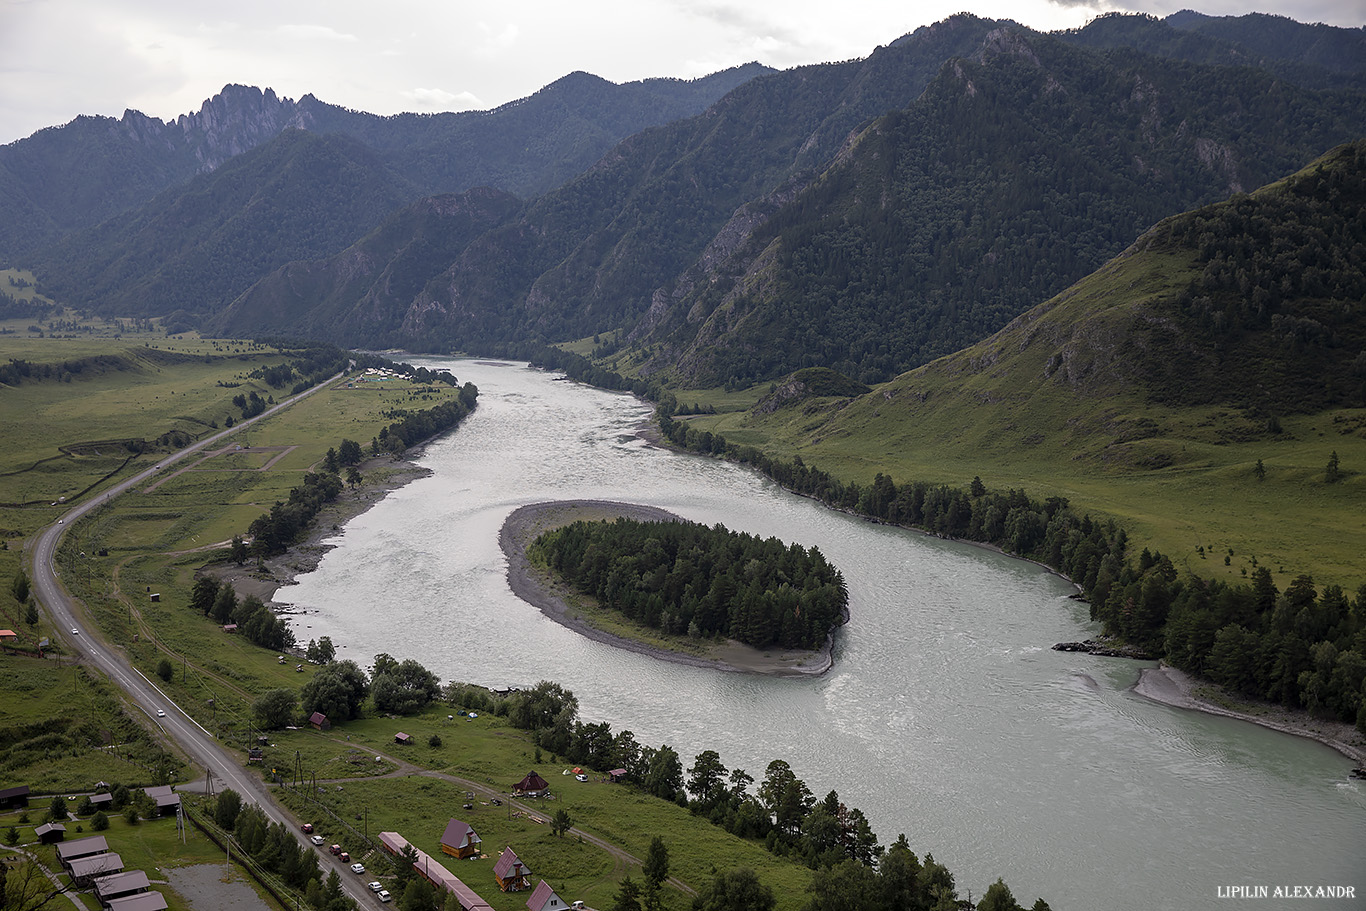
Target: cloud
x,y
315,32
442,100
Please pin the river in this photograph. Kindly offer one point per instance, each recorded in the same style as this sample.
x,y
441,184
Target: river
x,y
946,715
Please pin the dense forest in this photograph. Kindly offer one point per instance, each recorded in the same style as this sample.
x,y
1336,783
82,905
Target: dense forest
x,y
683,577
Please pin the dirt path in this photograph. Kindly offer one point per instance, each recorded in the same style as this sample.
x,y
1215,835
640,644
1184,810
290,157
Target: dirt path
x,y
404,768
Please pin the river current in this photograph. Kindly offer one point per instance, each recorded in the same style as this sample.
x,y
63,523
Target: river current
x,y
946,715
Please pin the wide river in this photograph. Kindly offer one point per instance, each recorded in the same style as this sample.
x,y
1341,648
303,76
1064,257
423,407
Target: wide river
x,y
946,715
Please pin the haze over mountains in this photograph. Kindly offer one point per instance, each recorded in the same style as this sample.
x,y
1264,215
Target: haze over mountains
x,y
868,216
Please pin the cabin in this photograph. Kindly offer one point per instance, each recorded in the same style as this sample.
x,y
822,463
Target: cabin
x,y
14,797
319,721
616,775
459,840
147,901
532,785
50,833
102,801
543,898
167,801
511,874
84,870
403,739
81,847
8,635
121,885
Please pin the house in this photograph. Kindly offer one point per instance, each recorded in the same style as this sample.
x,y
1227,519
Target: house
x,y
319,721
50,833
16,796
102,801
543,898
81,847
616,774
460,840
147,901
511,873
167,801
85,869
121,885
405,739
8,635
532,785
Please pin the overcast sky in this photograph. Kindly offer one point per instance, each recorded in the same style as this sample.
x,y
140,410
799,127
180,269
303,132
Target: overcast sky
x,y
62,58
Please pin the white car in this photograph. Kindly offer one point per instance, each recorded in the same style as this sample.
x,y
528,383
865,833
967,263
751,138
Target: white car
x,y
358,868
383,895
581,777
374,887
161,713
317,840
75,632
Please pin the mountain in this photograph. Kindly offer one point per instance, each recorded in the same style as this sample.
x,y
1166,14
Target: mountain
x,y
1209,328
298,196
1311,56
71,177
588,256
365,291
1017,172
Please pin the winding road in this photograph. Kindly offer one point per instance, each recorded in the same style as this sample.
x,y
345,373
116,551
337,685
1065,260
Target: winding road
x,y
200,746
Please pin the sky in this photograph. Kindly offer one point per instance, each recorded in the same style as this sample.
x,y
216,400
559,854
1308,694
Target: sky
x,y
63,58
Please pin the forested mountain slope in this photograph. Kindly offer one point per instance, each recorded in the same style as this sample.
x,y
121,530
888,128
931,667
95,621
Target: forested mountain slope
x,y
1212,326
298,196
1016,173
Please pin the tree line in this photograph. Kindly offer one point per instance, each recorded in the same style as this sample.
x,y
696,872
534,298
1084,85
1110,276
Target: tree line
x,y
683,577
1299,647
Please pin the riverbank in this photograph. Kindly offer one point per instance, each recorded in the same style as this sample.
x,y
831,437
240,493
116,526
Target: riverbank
x,y
380,475
1170,686
524,525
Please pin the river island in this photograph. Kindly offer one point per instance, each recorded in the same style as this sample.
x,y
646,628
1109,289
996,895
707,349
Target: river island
x,y
559,603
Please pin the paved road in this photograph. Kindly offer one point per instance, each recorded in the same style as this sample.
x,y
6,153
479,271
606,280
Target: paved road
x,y
198,744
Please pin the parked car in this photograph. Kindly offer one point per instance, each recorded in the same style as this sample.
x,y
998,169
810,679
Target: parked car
x,y
358,868
335,849
317,840
308,828
383,895
374,886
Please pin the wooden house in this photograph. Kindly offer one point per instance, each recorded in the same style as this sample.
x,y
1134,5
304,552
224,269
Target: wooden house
x,y
511,874
319,721
460,840
50,833
14,797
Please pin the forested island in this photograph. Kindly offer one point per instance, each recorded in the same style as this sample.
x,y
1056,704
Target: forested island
x,y
686,578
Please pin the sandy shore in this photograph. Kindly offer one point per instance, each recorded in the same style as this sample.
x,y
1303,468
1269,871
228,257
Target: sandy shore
x,y
526,523
1176,688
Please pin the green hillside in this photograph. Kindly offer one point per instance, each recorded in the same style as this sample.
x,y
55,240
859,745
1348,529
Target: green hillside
x,y
1149,391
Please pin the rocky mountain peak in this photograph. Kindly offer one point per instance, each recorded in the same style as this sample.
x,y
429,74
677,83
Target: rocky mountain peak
x,y
238,119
